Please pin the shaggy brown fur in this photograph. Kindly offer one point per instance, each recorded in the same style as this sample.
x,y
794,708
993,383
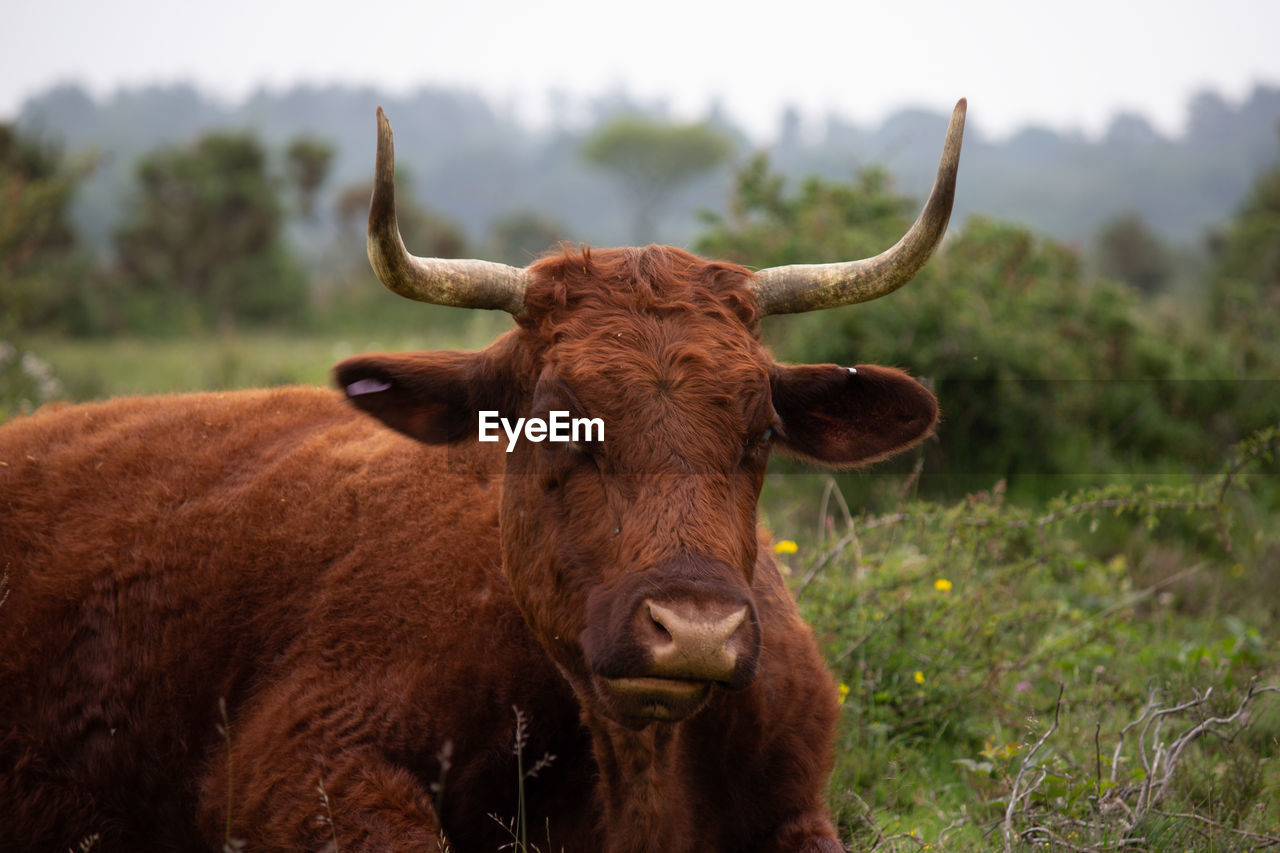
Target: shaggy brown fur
x,y
265,616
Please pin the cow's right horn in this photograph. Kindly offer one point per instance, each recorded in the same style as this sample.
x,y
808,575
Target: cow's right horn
x,y
440,281
811,287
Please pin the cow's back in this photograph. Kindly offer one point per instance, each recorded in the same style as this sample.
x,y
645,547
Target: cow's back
x,y
167,558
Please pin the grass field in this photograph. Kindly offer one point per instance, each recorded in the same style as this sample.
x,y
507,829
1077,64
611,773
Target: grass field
x,y
95,369
1096,673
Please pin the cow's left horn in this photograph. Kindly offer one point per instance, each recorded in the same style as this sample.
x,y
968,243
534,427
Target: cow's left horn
x,y
457,282
810,287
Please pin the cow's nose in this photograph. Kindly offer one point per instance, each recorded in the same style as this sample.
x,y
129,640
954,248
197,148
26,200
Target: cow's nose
x,y
699,643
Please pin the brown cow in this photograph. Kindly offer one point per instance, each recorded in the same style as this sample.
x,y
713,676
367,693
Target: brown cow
x,y
265,619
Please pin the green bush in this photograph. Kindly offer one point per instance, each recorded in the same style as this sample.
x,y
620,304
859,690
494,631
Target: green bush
x,y
1244,283
1048,379
46,275
203,243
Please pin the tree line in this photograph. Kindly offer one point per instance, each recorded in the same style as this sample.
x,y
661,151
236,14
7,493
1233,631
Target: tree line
x,y
478,160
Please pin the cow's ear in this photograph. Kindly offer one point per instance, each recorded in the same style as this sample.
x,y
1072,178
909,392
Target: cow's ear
x,y
434,397
843,417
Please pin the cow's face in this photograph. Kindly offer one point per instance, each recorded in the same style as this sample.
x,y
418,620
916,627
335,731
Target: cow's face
x,y
633,558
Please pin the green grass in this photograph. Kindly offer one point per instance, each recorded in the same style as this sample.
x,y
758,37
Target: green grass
x,y
90,369
955,629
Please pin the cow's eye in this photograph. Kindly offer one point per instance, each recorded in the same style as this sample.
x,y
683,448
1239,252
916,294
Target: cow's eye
x,y
586,448
759,446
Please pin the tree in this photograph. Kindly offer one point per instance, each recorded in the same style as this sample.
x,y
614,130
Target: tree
x,y
308,161
205,234
45,274
37,192
1130,252
1245,280
520,237
824,221
652,160
424,231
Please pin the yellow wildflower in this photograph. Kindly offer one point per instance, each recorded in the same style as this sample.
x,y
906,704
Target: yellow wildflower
x,y
942,585
991,750
785,546
843,690
919,677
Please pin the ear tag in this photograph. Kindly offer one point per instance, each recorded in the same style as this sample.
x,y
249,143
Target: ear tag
x,y
367,386
852,369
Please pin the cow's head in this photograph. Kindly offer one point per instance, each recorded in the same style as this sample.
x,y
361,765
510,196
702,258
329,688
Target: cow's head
x,y
633,558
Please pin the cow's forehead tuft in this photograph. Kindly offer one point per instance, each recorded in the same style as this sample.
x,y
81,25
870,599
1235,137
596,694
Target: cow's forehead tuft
x,y
610,288
667,352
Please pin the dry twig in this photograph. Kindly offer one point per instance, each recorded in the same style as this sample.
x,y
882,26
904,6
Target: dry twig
x,y
1014,796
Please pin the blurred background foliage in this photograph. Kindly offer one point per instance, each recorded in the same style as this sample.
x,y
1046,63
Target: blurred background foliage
x,y
202,240
46,274
1129,353
1059,364
1048,371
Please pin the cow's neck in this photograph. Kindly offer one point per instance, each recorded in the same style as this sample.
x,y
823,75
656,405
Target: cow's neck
x,y
641,790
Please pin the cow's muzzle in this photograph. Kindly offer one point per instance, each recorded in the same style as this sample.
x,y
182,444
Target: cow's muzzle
x,y
662,653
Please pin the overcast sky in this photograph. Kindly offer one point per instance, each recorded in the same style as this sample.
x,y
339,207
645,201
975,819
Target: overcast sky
x,y
1062,65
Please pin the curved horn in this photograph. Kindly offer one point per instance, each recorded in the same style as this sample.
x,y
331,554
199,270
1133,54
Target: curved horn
x,y
461,283
810,287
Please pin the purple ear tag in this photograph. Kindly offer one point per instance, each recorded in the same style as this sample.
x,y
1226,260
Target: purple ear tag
x,y
367,386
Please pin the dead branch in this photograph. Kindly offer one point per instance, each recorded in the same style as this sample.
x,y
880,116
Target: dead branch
x,y
1014,796
1259,841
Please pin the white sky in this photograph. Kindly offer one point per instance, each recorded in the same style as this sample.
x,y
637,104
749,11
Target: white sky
x,y
1063,65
